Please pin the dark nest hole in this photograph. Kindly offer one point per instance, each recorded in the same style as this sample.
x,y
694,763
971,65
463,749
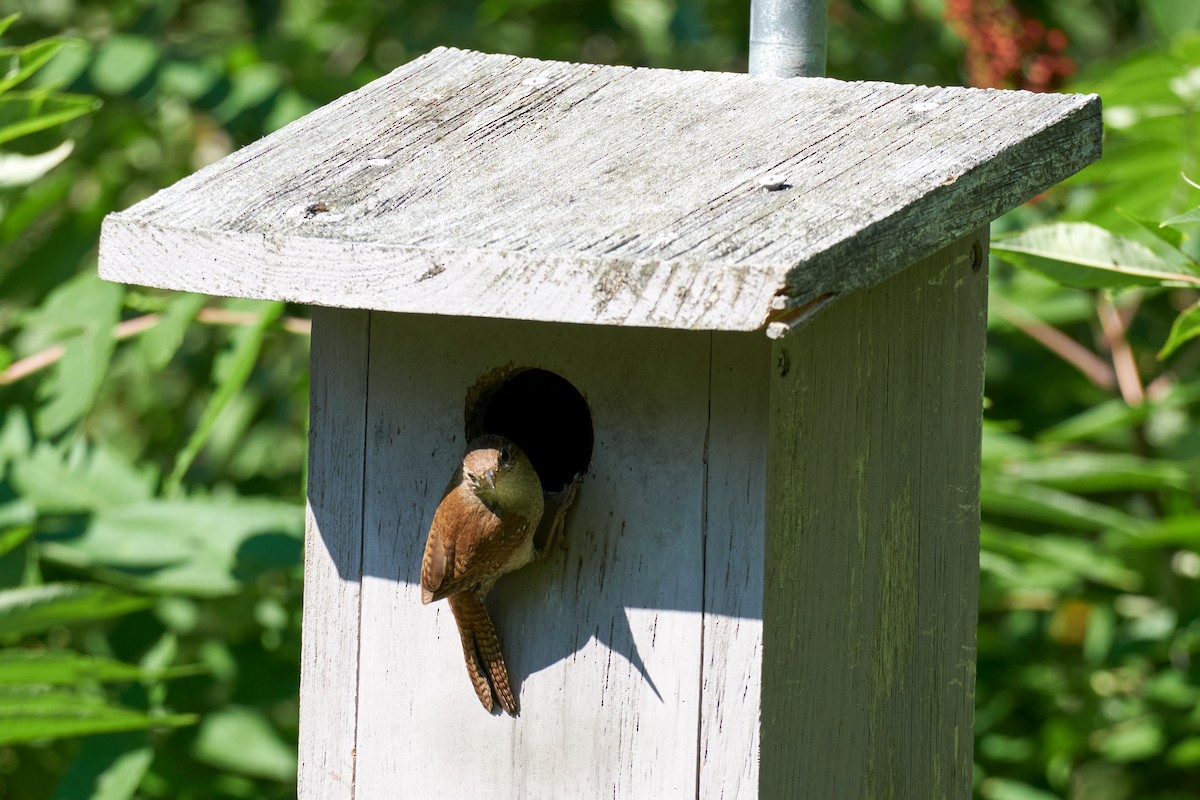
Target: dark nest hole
x,y
540,411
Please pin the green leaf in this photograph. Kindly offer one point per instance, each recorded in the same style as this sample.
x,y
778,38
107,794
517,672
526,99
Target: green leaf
x,y
1029,501
1013,749
200,547
1136,740
107,767
1100,472
1186,218
27,716
1075,555
1185,754
1084,255
1172,17
648,20
1001,446
6,22
64,667
1185,328
18,63
187,79
1100,634
252,85
241,740
31,609
59,481
17,513
1181,530
123,62
231,371
1169,236
289,106
88,308
1105,418
158,345
1005,789
23,113
1173,688
891,10
11,538
15,436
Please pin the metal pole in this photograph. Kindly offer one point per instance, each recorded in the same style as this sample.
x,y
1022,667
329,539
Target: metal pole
x,y
787,37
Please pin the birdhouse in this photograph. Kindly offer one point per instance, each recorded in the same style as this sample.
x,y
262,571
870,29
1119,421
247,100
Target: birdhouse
x,y
750,311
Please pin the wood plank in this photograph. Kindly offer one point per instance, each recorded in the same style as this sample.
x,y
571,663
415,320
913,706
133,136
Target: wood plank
x,y
333,554
603,639
735,508
493,186
872,540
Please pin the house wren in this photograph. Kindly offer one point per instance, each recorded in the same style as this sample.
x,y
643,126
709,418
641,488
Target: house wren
x,y
483,528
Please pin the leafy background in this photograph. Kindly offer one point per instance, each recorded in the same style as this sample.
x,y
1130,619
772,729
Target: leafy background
x,y
152,445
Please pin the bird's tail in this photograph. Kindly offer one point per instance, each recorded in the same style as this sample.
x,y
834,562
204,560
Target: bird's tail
x,y
481,649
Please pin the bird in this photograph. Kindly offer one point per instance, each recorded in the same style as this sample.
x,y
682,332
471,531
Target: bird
x,y
485,527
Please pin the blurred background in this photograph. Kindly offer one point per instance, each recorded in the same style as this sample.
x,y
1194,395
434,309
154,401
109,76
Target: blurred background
x,y
152,445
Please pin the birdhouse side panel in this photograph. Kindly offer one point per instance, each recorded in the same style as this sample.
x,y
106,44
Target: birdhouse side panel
x,y
602,640
872,547
333,555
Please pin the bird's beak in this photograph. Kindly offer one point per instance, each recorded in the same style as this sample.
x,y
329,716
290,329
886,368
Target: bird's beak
x,y
490,477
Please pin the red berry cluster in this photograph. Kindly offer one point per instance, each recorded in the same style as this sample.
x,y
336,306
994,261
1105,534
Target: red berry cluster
x,y
1007,50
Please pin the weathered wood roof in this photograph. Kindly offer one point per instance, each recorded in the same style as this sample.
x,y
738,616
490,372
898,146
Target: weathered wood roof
x,y
494,186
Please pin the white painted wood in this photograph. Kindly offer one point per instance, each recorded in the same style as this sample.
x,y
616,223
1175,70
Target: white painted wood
x,y
492,186
735,507
604,638
872,540
333,555
768,585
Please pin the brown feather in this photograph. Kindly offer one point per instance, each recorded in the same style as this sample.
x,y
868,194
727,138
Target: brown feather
x,y
482,528
481,649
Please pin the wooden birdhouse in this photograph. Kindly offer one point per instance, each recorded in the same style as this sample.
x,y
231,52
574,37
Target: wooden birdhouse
x,y
750,310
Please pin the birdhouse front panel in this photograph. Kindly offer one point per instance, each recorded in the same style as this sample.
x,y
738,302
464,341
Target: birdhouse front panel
x,y
605,639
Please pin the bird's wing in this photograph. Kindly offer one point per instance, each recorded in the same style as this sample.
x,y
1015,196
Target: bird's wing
x,y
439,547
458,554
439,556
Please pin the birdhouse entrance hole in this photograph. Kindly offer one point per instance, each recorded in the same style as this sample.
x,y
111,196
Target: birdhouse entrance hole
x,y
540,411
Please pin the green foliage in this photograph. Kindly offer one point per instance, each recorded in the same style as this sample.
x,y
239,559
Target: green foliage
x,y
33,609
137,609
26,112
32,716
1086,256
152,445
1090,609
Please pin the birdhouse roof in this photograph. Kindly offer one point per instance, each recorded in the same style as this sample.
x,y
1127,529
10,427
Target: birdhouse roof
x,y
493,186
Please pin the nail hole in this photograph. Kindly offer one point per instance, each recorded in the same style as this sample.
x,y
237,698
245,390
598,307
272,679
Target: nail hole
x,y
542,412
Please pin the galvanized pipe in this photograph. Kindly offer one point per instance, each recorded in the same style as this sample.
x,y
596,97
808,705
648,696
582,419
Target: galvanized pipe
x,y
787,37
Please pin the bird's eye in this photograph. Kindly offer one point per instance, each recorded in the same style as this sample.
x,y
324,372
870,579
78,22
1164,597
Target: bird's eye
x,y
505,455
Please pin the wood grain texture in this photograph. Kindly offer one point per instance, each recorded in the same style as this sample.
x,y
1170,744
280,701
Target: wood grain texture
x,y
493,186
333,555
603,639
872,541
734,526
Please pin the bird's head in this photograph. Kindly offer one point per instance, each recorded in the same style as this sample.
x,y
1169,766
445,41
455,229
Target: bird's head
x,y
500,474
